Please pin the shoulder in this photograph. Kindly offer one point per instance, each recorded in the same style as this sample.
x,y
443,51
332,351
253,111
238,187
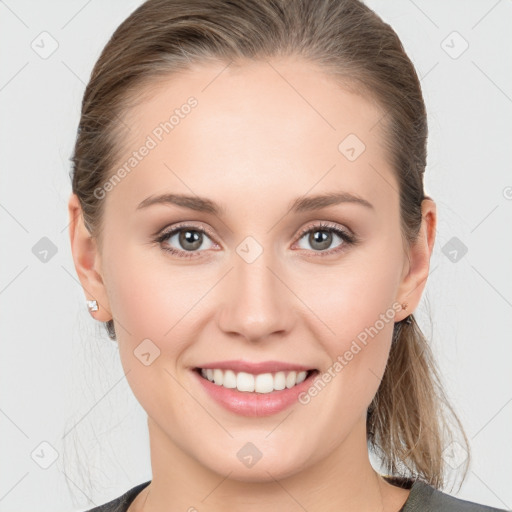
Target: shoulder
x,y
121,503
425,498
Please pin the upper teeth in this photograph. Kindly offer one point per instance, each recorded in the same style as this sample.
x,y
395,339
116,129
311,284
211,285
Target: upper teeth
x,y
261,383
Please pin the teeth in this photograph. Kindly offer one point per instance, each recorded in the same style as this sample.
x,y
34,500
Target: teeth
x,y
218,377
261,383
301,377
229,380
279,381
245,382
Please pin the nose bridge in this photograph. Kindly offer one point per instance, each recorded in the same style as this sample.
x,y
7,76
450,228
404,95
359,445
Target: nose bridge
x,y
255,305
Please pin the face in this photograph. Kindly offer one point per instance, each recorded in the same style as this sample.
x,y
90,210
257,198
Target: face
x,y
271,275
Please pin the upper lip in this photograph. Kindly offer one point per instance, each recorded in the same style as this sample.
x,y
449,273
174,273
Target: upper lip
x,y
255,368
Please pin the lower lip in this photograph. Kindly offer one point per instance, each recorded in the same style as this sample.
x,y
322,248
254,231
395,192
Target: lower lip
x,y
255,404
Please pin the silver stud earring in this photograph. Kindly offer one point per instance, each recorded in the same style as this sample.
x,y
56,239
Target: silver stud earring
x,y
407,319
92,305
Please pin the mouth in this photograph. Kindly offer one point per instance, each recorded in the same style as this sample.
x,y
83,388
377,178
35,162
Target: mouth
x,y
262,383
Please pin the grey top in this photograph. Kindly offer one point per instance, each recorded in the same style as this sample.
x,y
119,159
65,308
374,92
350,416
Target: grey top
x,y
422,498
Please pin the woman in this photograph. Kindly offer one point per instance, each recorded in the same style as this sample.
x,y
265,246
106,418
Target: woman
x,y
248,219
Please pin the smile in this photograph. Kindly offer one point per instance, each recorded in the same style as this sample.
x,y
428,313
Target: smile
x,y
259,383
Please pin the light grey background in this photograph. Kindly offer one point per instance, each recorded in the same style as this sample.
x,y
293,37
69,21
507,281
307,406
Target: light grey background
x,y
61,379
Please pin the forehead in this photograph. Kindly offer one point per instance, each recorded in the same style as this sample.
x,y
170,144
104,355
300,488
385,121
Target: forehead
x,y
252,128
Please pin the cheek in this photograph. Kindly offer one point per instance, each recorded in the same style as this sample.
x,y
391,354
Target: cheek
x,y
358,352
158,308
149,296
153,305
356,306
354,296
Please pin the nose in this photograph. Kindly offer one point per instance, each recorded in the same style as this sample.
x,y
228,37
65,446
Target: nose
x,y
257,303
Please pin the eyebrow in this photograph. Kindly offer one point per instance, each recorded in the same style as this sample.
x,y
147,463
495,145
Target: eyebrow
x,y
299,205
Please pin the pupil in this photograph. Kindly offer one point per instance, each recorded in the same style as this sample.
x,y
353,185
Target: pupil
x,y
323,238
190,237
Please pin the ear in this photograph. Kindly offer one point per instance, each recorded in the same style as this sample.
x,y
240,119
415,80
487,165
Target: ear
x,y
87,260
416,269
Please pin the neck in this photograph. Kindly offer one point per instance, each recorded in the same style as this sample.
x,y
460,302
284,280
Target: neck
x,y
343,481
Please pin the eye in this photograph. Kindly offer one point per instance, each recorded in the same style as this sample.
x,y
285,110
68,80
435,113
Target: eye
x,y
188,238
320,237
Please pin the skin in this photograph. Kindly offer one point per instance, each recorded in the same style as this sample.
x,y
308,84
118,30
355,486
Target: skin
x,y
253,140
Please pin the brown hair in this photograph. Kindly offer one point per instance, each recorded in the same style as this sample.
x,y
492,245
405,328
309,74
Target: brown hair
x,y
405,421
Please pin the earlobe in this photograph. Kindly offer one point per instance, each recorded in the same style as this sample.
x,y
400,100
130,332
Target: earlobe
x,y
413,283
87,260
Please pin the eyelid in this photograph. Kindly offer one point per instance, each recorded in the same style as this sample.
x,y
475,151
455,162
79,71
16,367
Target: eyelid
x,y
169,230
347,236
325,225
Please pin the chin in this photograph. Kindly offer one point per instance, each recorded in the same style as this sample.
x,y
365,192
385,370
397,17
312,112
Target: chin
x,y
265,469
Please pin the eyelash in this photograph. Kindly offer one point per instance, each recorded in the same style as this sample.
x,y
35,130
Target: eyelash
x,y
348,239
